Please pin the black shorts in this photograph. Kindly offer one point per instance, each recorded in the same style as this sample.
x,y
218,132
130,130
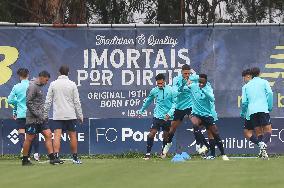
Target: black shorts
x,y
206,121
36,128
21,122
260,119
248,125
160,123
65,125
179,114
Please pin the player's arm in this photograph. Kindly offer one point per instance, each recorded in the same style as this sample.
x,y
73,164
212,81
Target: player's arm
x,y
244,103
178,84
12,98
148,101
172,110
194,78
77,104
208,91
48,101
31,94
269,96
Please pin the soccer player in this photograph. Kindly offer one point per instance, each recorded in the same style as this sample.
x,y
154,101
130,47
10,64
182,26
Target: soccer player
x,y
17,98
163,112
35,122
204,114
184,107
64,96
257,100
248,126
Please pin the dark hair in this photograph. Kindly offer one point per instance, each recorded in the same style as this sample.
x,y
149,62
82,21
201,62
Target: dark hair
x,y
185,67
23,72
160,77
203,76
246,72
255,71
44,74
64,70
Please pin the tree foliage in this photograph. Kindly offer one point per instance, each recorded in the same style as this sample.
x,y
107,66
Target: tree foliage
x,y
141,11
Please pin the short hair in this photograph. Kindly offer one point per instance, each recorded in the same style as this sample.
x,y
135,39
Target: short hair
x,y
185,67
160,77
255,71
203,76
44,74
64,70
246,72
23,72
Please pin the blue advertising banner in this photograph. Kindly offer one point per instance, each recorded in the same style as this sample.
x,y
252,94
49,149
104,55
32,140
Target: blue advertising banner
x,y
123,135
108,136
114,69
11,143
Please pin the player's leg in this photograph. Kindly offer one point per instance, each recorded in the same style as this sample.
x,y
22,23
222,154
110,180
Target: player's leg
x,y
248,132
212,127
58,125
35,144
201,143
21,122
30,134
166,129
265,123
71,127
150,138
49,146
212,145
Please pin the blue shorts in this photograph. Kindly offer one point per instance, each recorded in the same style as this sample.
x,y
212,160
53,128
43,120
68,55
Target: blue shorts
x,y
21,122
248,125
206,121
36,128
179,114
160,123
65,125
260,119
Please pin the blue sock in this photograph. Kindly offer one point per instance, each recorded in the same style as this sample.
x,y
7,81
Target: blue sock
x,y
150,142
219,143
254,140
266,137
212,147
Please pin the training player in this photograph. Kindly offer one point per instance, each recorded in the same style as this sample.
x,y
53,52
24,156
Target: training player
x,y
257,101
17,98
163,112
248,126
184,107
204,114
64,96
35,122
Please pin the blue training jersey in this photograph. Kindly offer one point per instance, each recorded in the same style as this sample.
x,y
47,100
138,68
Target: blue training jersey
x,y
165,102
257,96
17,98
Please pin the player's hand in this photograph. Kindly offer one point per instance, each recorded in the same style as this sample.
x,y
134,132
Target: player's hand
x,y
167,117
201,85
189,82
81,120
14,116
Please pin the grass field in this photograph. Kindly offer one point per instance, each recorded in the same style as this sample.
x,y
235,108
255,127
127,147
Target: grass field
x,y
136,173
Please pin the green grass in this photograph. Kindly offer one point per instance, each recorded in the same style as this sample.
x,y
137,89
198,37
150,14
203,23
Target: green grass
x,y
136,173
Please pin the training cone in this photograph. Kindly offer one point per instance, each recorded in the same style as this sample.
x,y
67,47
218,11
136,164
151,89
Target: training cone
x,y
185,156
177,159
